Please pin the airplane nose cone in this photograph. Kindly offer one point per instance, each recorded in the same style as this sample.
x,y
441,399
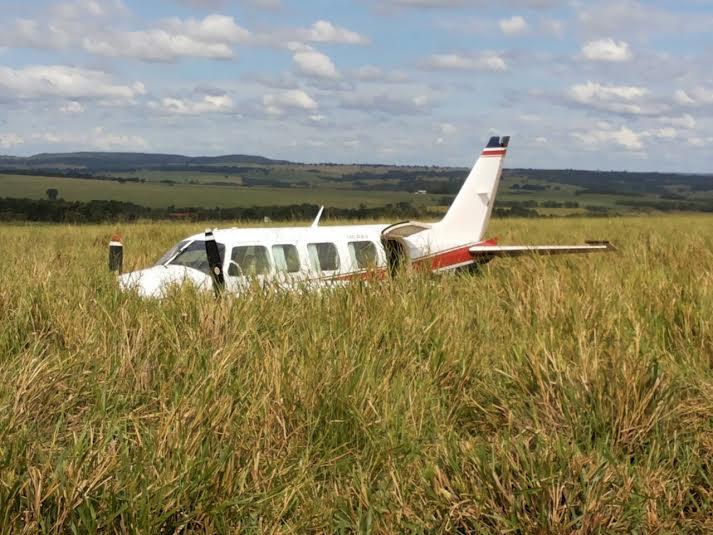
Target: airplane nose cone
x,y
154,281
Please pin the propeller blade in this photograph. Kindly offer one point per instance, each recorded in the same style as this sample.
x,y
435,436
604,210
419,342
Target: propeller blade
x,y
116,254
214,262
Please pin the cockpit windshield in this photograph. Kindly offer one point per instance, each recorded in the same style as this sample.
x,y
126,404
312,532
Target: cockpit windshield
x,y
168,255
190,254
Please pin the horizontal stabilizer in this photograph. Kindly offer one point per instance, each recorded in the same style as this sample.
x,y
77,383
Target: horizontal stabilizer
x,y
404,229
519,250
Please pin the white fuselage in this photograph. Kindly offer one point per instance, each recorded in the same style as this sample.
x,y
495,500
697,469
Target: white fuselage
x,y
285,255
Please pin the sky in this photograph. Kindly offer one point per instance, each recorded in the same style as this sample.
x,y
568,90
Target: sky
x,y
620,84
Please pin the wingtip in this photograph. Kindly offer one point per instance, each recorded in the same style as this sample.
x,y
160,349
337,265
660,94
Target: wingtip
x,y
606,243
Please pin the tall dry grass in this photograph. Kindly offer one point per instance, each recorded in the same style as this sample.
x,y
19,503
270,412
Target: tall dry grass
x,y
545,395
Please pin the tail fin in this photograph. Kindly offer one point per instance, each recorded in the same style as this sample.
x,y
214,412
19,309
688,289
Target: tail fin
x,y
467,218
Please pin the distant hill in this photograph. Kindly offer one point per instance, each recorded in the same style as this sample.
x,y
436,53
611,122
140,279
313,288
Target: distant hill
x,y
127,161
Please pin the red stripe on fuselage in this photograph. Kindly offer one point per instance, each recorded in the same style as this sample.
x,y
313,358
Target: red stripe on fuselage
x,y
500,152
451,257
376,273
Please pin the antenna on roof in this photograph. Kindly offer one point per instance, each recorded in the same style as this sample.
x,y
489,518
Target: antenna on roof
x,y
315,223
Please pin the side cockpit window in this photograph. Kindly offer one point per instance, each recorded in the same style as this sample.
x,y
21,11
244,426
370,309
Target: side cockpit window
x,y
249,261
194,256
323,256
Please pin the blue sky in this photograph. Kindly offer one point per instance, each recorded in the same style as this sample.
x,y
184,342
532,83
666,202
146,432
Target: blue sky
x,y
619,84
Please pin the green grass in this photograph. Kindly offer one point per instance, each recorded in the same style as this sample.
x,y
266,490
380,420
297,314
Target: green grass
x,y
551,395
158,195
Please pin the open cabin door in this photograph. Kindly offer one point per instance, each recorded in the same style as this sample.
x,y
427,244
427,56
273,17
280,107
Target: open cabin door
x,y
392,238
396,256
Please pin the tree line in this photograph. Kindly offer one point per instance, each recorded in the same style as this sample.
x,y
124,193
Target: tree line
x,y
98,211
61,211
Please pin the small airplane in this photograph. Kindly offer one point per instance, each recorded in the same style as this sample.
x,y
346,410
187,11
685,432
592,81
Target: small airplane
x,y
233,259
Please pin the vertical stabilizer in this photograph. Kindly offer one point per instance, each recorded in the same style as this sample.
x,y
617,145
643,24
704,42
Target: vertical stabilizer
x,y
467,218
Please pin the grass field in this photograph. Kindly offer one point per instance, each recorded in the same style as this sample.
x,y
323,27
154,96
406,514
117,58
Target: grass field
x,y
570,394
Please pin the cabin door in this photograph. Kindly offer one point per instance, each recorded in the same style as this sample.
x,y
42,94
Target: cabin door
x,y
396,258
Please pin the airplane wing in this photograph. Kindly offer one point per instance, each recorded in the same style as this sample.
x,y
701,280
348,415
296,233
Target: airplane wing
x,y
489,251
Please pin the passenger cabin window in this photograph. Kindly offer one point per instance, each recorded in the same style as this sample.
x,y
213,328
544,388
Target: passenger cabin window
x,y
323,256
363,254
248,261
287,259
194,256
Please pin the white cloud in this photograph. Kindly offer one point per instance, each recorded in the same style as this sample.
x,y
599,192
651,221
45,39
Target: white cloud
x,y
681,97
684,121
534,4
83,9
72,107
312,62
208,104
372,73
87,24
700,141
8,141
594,91
104,140
30,34
49,137
601,137
387,103
210,4
696,96
324,31
96,138
486,61
513,26
211,29
62,81
65,23
530,118
665,133
155,45
606,50
637,20
447,129
211,37
294,99
612,98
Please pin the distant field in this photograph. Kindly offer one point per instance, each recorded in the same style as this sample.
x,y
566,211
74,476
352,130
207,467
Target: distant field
x,y
158,195
236,181
547,395
155,194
